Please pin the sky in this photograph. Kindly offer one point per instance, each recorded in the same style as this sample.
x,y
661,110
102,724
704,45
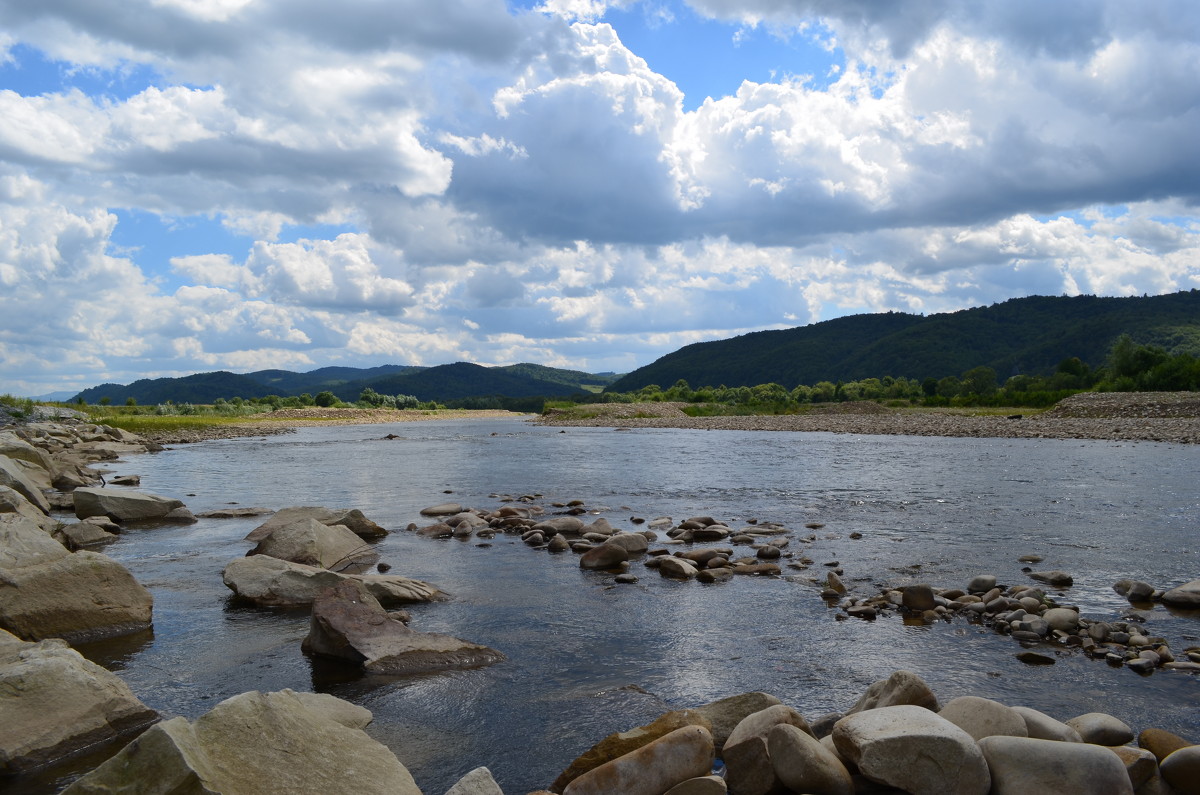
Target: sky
x,y
198,185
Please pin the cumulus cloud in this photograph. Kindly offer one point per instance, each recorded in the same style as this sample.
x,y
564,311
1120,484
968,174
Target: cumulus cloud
x,y
519,184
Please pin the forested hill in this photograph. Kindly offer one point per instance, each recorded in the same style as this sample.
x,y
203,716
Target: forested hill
x,y
1023,335
440,383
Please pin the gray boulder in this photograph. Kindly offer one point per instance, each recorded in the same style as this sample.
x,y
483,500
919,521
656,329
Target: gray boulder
x,y
1041,726
803,764
308,542
982,717
13,476
349,624
902,687
54,702
271,582
123,506
634,543
14,502
726,713
913,749
604,556
1186,596
1021,765
478,782
748,766
352,520
1181,769
1101,729
265,743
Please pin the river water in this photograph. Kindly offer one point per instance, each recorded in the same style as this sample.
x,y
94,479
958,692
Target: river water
x,y
586,657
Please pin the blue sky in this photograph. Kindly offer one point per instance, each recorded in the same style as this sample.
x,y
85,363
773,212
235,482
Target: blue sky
x,y
191,185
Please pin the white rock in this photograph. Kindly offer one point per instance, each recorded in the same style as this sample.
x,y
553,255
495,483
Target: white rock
x,y
1024,765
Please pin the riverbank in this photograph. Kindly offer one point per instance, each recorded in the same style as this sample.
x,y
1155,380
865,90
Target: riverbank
x,y
1123,416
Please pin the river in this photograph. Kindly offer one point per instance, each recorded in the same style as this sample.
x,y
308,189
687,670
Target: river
x,y
586,656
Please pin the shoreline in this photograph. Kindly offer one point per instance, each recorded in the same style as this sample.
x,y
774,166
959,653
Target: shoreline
x,y
1143,417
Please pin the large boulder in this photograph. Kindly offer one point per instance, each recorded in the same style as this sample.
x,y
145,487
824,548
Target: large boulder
x,y
1041,726
272,582
726,713
901,688
308,542
14,502
748,766
803,764
47,592
265,743
656,767
54,702
123,506
982,717
353,520
13,476
1101,728
349,624
477,782
604,556
913,749
1182,770
1186,596
618,744
1020,765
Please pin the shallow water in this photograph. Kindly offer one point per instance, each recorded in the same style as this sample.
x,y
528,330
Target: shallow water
x,y
587,657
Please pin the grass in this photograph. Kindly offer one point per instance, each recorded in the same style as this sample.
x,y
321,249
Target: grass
x,y
142,423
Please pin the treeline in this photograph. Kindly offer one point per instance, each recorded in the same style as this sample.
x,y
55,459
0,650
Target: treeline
x,y
1130,367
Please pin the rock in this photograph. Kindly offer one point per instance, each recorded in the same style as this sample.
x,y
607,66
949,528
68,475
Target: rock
x,y
1059,579
567,525
604,556
1182,770
982,717
264,743
445,509
47,592
918,598
654,768
86,534
1062,618
1161,743
478,782
761,569
1041,726
272,582
727,713
126,480
704,785
1021,765
558,543
13,502
1033,658
902,687
618,744
633,543
1135,590
714,575
1186,596
234,513
348,623
1101,729
123,506
352,520
748,768
914,749
981,583
677,568
13,476
1140,764
54,702
310,543
802,764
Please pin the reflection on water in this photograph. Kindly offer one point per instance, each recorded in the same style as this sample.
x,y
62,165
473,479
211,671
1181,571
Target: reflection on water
x,y
587,657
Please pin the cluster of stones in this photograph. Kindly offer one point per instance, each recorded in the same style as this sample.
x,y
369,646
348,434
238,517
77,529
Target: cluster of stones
x,y
896,736
1032,617
605,548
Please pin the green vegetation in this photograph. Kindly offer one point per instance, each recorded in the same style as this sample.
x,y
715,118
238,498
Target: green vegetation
x,y
16,406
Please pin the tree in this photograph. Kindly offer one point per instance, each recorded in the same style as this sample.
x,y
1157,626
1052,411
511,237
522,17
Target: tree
x,y
325,399
979,381
130,401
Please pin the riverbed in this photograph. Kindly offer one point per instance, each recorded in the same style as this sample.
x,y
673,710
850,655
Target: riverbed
x,y
587,656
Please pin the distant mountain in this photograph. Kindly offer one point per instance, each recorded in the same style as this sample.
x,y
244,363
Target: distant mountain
x,y
442,383
53,397
1023,335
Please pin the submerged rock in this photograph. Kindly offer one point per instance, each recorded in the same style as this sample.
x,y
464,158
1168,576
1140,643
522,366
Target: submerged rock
x,y
350,624
271,582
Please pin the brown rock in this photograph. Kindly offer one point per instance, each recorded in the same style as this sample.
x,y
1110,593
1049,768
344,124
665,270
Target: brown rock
x,y
620,743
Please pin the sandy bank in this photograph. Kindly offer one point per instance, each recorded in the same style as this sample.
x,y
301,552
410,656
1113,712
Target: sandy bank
x,y
1160,417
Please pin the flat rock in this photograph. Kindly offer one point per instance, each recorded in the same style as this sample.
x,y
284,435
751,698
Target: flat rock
x,y
234,513
348,623
54,702
352,519
262,743
913,749
620,743
444,509
982,717
312,543
272,582
123,506
656,767
1021,765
